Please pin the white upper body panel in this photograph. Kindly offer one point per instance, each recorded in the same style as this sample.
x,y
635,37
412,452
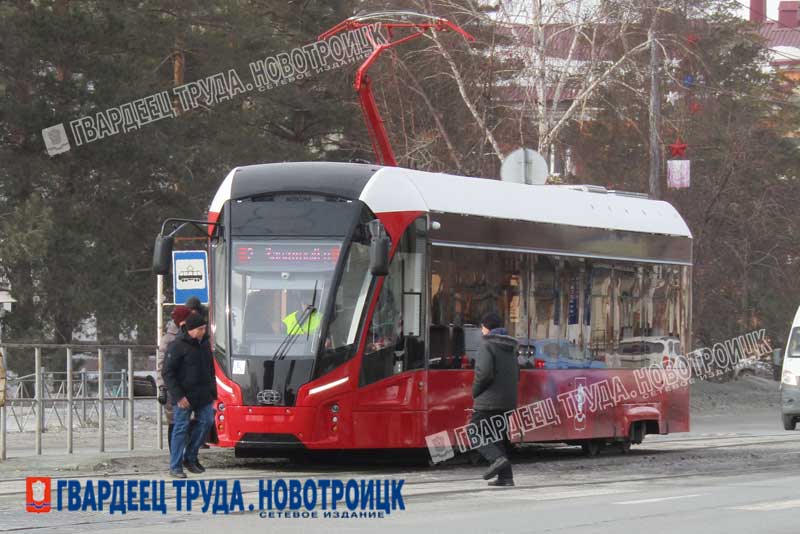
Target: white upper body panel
x,y
396,189
223,193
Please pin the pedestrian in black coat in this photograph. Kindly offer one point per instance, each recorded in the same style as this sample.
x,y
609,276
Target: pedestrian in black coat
x,y
189,376
494,393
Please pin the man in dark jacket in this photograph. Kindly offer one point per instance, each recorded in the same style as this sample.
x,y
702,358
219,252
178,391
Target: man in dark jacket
x,y
494,393
189,376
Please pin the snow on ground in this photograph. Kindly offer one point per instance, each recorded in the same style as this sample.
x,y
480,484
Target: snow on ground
x,y
747,394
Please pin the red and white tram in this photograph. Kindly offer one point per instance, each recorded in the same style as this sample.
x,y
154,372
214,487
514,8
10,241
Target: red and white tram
x,y
317,349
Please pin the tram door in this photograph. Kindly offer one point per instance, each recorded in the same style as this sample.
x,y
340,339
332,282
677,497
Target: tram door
x,y
391,399
467,283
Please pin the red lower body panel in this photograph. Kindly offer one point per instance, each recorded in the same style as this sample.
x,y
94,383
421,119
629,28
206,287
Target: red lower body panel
x,y
399,411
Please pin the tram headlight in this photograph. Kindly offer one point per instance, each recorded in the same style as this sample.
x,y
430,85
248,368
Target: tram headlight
x,y
221,407
221,418
335,419
335,408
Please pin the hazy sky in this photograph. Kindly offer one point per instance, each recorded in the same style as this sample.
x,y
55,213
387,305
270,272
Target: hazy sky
x,y
772,9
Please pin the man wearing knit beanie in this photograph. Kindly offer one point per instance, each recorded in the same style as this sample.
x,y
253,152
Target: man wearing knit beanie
x,y
494,392
189,375
194,304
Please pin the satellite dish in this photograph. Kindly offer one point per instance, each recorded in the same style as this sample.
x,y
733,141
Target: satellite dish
x,y
524,166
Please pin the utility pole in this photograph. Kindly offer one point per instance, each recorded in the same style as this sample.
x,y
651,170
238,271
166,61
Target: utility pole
x,y
654,110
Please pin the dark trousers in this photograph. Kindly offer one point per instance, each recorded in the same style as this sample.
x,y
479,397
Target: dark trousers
x,y
492,450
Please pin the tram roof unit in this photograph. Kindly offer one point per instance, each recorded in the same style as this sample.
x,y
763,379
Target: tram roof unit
x,y
393,189
396,189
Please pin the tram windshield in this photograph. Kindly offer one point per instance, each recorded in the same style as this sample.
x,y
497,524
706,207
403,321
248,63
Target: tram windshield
x,y
280,293
278,289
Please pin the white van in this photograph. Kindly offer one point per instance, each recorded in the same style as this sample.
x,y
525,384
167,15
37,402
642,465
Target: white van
x,y
790,377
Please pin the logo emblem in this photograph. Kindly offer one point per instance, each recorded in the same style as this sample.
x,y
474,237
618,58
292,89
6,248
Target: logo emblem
x,y
439,446
55,139
37,494
269,397
580,401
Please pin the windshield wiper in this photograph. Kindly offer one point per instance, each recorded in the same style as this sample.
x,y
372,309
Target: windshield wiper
x,y
292,335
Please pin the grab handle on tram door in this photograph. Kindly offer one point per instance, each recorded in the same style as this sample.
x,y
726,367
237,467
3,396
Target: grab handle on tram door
x,y
399,361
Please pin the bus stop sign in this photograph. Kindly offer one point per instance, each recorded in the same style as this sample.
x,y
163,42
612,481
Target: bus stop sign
x,y
189,275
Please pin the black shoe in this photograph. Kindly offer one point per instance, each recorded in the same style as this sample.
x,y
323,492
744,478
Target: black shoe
x,y
196,463
177,473
495,467
502,482
194,467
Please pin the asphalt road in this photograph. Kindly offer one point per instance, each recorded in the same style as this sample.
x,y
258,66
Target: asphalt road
x,y
764,502
732,474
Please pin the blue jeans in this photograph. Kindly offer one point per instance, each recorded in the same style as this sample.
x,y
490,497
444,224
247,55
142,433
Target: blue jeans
x,y
183,439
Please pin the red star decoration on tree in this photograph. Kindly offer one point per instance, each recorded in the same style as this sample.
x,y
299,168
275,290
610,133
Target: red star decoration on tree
x,y
692,38
678,148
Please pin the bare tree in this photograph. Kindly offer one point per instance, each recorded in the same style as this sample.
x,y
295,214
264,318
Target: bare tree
x,y
570,49
561,53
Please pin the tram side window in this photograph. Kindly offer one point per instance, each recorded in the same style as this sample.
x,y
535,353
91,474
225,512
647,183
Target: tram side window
x,y
219,271
465,285
596,314
639,315
560,310
566,312
350,300
601,338
394,340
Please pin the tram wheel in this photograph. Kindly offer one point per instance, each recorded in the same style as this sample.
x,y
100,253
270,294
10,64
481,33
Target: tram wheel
x,y
591,447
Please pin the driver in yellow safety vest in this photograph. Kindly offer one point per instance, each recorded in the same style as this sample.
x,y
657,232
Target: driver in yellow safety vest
x,y
309,326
